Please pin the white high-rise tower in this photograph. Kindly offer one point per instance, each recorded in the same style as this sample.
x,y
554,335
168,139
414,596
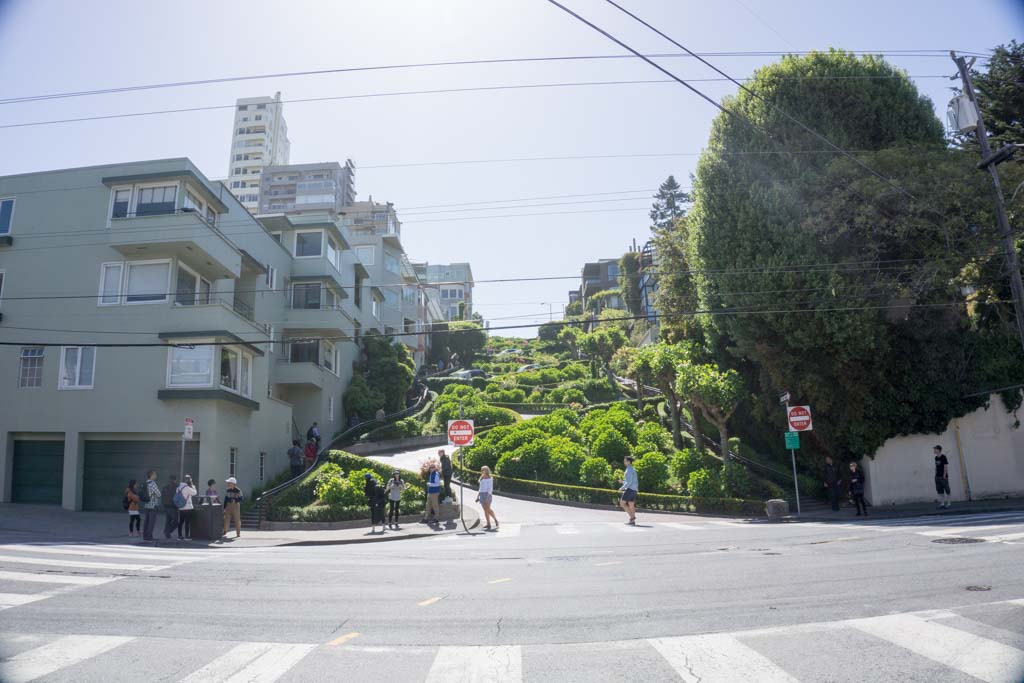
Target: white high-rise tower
x,y
259,138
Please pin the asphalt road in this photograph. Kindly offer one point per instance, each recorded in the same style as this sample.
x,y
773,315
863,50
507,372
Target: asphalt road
x,y
558,594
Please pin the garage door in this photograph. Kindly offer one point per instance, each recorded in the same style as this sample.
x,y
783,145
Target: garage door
x,y
109,465
38,472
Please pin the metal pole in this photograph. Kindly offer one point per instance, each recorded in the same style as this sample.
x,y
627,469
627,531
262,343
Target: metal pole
x,y
1009,250
792,458
181,468
462,475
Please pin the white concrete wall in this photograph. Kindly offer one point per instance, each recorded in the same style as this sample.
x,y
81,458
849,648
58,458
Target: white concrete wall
x,y
990,454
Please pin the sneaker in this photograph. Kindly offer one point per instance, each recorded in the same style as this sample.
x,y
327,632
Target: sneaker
x,y
939,506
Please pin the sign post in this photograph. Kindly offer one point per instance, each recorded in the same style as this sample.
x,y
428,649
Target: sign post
x,y
799,419
185,436
460,433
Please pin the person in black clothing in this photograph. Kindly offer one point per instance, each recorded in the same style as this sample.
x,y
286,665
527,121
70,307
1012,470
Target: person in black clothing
x,y
296,458
857,488
832,482
376,498
170,509
313,434
446,473
941,476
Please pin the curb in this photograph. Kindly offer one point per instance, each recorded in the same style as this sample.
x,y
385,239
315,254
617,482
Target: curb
x,y
839,517
381,539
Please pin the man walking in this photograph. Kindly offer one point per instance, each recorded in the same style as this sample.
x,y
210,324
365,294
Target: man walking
x,y
433,493
295,458
941,477
313,434
630,487
446,474
150,496
233,507
832,482
170,509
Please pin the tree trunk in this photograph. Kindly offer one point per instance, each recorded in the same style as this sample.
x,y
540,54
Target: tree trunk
x,y
677,437
723,433
639,393
698,433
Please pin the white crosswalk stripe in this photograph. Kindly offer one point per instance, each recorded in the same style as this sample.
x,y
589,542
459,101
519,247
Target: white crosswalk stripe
x,y
488,664
251,663
59,654
717,658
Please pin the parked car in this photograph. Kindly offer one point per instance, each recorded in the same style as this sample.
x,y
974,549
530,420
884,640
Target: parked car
x,y
469,374
507,352
527,368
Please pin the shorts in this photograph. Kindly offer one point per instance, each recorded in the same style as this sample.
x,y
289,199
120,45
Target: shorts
x,y
486,498
628,495
941,485
133,513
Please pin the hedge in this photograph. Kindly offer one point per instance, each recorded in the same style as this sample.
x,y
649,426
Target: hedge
x,y
439,383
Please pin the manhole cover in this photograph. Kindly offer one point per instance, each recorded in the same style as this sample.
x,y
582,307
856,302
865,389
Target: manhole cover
x,y
979,589
956,540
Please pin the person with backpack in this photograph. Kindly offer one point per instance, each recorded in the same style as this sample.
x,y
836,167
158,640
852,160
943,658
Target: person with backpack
x,y
130,503
394,490
433,512
183,501
313,434
170,509
233,507
295,458
149,496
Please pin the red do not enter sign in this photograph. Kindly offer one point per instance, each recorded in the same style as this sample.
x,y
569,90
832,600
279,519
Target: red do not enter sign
x,y
800,418
460,432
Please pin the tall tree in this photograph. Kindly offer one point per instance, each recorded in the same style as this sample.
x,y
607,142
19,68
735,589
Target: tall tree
x,y
601,344
669,205
717,394
629,281
1000,90
659,362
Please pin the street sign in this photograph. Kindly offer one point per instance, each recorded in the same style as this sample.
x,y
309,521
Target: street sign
x,y
799,418
792,440
189,427
784,398
460,432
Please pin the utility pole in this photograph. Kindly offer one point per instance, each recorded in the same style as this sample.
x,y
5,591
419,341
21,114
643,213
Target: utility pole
x,y
1005,233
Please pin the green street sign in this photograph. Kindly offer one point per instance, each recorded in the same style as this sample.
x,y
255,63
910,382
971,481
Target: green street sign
x,y
792,440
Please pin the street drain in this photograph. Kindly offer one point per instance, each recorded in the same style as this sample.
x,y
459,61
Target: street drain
x,y
979,589
957,540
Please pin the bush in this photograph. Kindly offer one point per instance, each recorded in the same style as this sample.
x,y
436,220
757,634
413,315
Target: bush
x,y
556,424
704,484
652,471
480,454
619,419
529,461
439,384
611,445
689,460
736,481
518,437
653,437
339,491
566,395
459,391
596,472
565,458
595,390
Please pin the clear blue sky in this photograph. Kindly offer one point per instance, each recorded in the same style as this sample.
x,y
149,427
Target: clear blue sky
x,y
56,46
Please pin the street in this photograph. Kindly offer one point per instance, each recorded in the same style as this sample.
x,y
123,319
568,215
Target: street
x,y
557,594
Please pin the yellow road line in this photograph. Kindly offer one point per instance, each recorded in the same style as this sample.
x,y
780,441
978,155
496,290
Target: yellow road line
x,y
428,601
498,581
607,564
345,638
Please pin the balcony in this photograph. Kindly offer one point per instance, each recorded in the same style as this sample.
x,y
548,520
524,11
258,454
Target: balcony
x,y
318,320
182,234
306,375
319,267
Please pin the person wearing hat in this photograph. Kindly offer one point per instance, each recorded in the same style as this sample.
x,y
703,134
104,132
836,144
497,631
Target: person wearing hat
x,y
394,490
233,507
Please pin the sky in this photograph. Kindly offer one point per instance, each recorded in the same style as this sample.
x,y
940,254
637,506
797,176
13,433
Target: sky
x,y
454,164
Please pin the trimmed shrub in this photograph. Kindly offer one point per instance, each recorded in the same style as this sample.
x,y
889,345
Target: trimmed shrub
x,y
529,461
565,458
653,437
596,472
704,484
518,437
736,482
689,460
652,471
480,454
566,395
611,445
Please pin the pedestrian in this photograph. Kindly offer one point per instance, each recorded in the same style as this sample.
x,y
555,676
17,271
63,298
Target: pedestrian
x,y
832,482
446,474
131,504
630,487
941,477
376,499
433,511
211,492
233,507
170,509
310,453
149,495
296,458
183,499
394,490
485,495
381,415
313,434
857,488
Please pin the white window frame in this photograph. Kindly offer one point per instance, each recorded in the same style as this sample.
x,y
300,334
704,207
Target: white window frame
x,y
131,200
21,366
330,409
3,278
137,190
271,277
232,460
14,205
200,281
295,243
120,284
126,272
330,355
78,369
214,368
360,258
263,460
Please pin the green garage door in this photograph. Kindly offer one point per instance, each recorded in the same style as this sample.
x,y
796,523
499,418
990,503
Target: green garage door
x,y
38,472
109,465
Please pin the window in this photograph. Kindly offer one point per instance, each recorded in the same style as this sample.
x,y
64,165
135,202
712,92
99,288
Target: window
x,y
358,292
271,277
147,281
243,107
110,284
333,253
330,409
245,375
154,201
330,355
192,289
276,236
76,367
304,352
122,200
6,215
259,117
391,298
190,367
309,243
263,459
236,184
375,309
1,285
365,255
31,374
357,330
330,300
238,157
230,369
232,460
379,216
306,295
261,106
211,215
391,264
613,270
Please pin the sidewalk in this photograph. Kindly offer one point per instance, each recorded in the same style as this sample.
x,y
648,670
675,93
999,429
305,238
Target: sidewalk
x,y
24,523
914,510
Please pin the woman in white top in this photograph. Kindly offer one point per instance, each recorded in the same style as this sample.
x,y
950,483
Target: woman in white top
x,y
485,495
187,489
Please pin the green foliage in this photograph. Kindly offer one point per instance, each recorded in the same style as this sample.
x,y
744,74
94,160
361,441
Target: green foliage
x,y
565,458
596,472
652,471
567,395
575,308
528,461
480,454
629,281
518,437
689,460
610,444
736,481
549,332
385,379
669,204
1001,97
360,399
652,437
618,417
704,484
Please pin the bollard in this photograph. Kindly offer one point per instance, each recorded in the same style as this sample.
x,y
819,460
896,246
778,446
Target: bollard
x,y
776,509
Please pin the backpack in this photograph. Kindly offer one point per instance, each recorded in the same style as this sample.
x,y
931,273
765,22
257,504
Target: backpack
x,y
178,499
125,503
144,492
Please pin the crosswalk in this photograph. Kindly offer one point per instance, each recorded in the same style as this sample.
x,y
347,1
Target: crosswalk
x,y
30,572
929,645
1002,527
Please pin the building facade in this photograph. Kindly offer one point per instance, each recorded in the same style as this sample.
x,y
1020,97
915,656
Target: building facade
x,y
259,138
600,276
305,188
244,326
453,284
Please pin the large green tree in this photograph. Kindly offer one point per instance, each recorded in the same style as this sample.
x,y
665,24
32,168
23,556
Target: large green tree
x,y
1000,90
385,376
658,365
629,281
669,205
715,393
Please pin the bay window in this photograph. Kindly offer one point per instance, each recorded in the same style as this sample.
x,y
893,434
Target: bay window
x,y
304,352
391,264
77,365
330,357
191,367
6,215
154,201
192,289
306,295
122,202
229,361
309,243
147,281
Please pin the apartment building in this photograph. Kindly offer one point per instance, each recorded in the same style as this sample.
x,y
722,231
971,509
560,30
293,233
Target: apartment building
x,y
600,276
305,188
237,323
454,285
259,138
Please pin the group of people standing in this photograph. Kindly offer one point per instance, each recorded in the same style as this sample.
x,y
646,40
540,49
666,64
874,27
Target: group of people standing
x,y
176,499
834,482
